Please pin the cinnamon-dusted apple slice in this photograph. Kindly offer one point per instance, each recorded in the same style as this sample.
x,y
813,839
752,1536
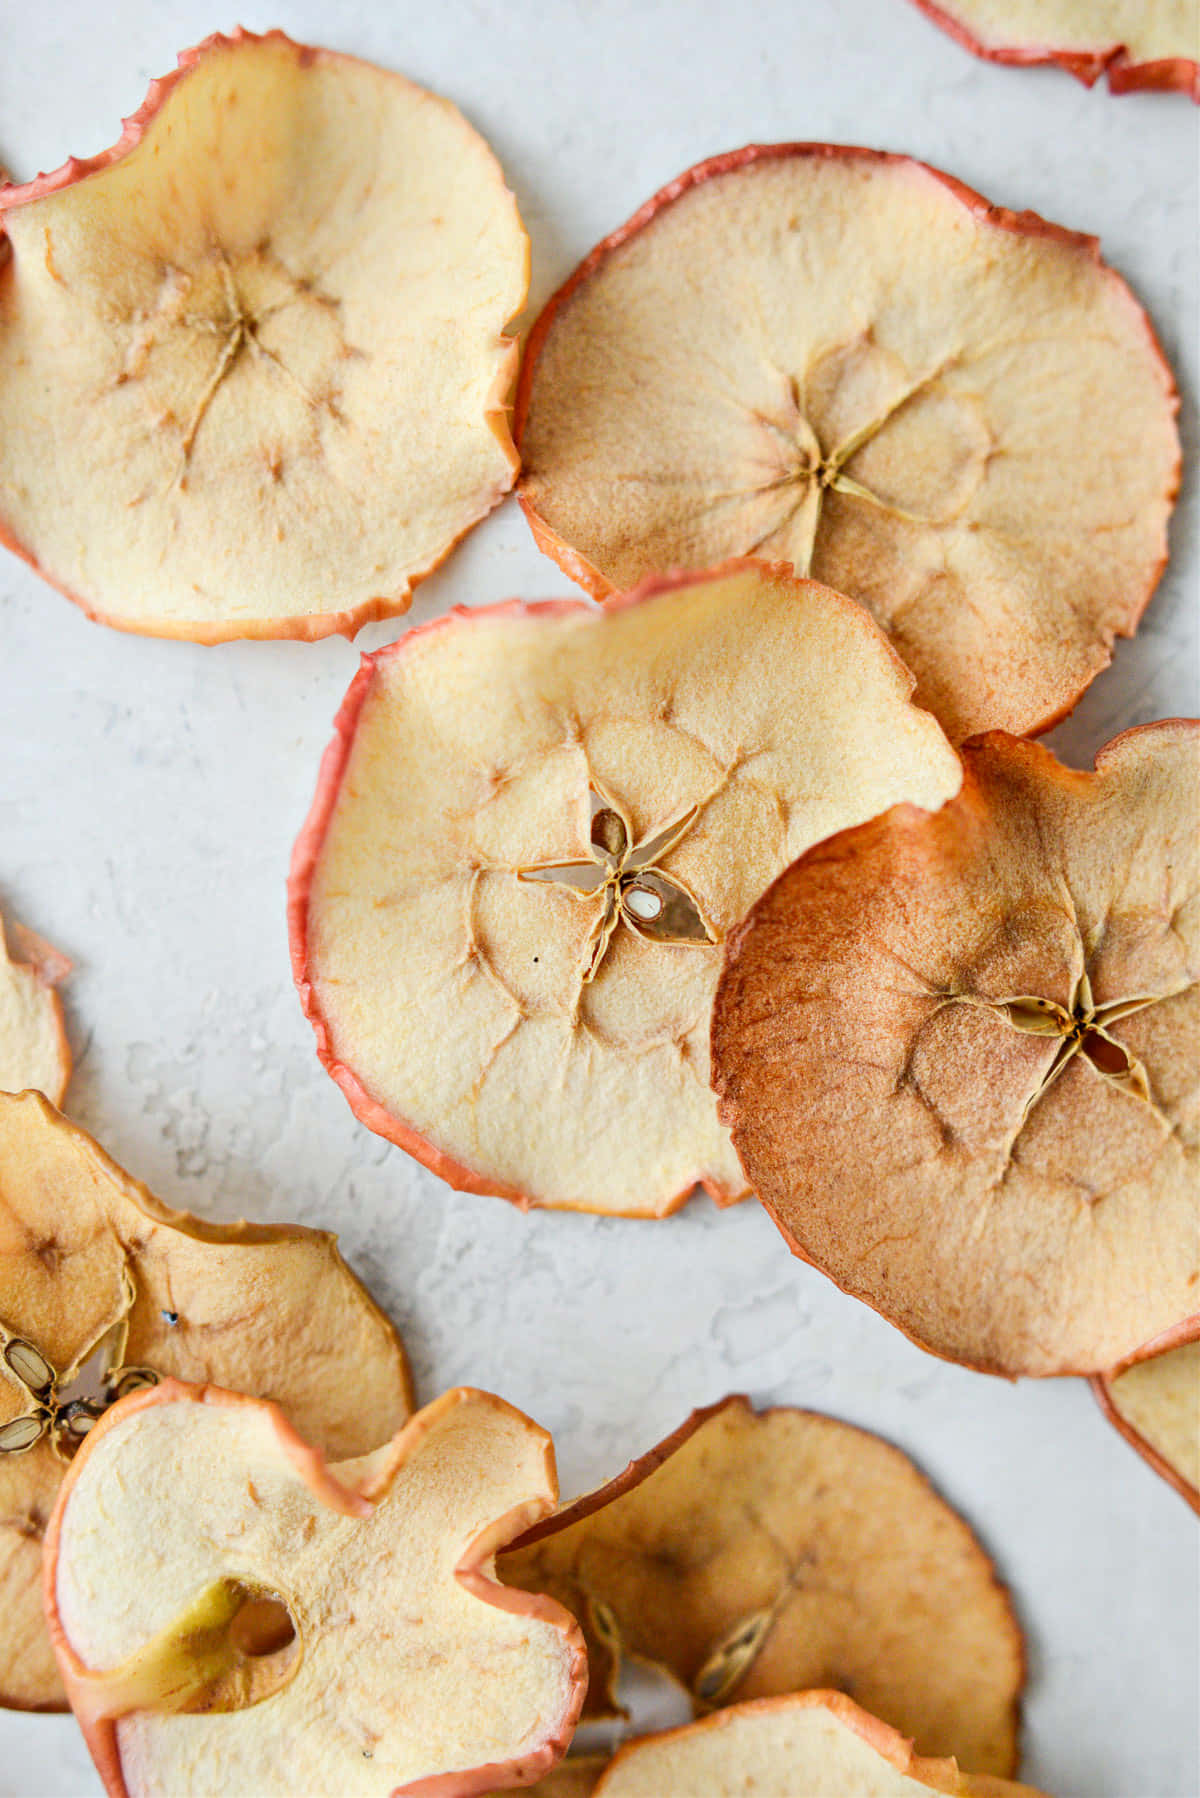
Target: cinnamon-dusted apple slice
x,y
818,1744
754,1554
1156,1406
203,1560
103,1289
34,1051
531,832
252,365
960,1056
1136,43
956,414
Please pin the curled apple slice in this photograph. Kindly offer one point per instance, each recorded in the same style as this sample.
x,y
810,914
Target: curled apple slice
x,y
34,1051
754,1554
958,1053
1136,43
956,414
203,1559
1156,1406
104,1289
816,1743
252,366
531,831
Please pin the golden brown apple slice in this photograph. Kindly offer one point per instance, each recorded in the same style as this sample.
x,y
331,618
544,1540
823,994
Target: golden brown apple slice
x,y
531,831
34,1051
1136,43
253,373
395,1663
750,1555
99,1279
1156,1406
956,414
576,1777
818,1744
960,1056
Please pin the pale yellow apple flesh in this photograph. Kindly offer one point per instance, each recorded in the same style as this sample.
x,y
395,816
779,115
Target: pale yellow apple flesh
x,y
1156,1404
34,1051
1139,31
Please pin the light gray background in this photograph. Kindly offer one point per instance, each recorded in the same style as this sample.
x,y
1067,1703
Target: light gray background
x,y
150,792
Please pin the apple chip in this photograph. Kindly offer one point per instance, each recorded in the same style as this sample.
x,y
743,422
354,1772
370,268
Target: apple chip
x,y
532,830
34,1051
960,1056
1136,43
1156,1405
751,1555
203,1558
253,374
575,1777
956,414
102,1290
819,1744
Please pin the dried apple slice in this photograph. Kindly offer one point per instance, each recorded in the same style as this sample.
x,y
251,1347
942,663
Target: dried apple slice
x,y
34,1051
252,366
102,1288
575,1777
1156,1406
750,1555
960,1056
394,1663
956,414
530,832
1136,43
816,1743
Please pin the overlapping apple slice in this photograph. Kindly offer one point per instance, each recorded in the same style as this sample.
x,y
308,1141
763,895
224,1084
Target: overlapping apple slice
x,y
1136,43
232,1615
956,414
1156,1406
818,1744
532,830
34,1051
751,1555
253,373
960,1056
104,1289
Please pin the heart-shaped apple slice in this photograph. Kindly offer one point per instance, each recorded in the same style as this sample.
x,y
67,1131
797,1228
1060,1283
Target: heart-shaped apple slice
x,y
253,374
1156,1406
103,1289
1136,43
532,830
232,1615
958,1053
34,1051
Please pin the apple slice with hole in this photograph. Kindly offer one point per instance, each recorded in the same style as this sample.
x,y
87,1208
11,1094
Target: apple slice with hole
x,y
1156,1406
232,1615
104,1289
34,1051
1136,43
531,831
253,371
958,1052
752,1554
954,413
820,1744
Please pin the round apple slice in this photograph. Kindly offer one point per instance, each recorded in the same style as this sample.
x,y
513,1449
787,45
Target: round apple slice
x,y
751,1555
956,414
1156,1406
820,1744
252,366
959,1056
103,1289
532,830
204,1558
1136,43
34,1051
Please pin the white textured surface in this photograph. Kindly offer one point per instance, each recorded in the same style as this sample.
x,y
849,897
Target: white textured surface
x,y
151,792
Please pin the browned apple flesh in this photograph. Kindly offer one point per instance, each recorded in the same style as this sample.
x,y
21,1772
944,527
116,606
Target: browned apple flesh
x,y
960,1056
34,1051
954,413
253,374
